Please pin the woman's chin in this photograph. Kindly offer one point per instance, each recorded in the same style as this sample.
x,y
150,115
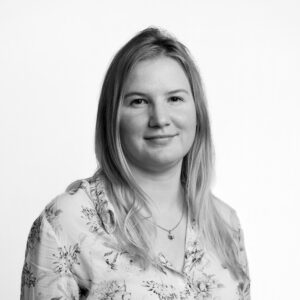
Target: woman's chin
x,y
160,164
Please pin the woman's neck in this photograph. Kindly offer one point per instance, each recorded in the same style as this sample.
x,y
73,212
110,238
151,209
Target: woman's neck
x,y
164,189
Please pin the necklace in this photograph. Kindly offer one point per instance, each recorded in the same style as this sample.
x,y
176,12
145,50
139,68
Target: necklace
x,y
171,235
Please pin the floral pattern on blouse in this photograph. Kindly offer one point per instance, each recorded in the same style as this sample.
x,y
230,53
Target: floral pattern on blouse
x,y
111,290
66,258
72,253
163,291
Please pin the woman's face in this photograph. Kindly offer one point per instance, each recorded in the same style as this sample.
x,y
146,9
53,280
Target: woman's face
x,y
157,115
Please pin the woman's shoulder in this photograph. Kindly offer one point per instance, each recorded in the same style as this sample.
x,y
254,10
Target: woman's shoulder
x,y
71,200
227,212
78,193
85,202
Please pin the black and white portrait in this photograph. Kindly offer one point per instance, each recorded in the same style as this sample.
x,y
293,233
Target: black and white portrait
x,y
149,149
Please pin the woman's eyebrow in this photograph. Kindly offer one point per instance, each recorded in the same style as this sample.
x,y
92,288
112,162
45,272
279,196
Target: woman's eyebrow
x,y
178,91
136,93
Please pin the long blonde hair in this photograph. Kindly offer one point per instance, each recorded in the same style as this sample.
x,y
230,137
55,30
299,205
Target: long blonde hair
x,y
197,167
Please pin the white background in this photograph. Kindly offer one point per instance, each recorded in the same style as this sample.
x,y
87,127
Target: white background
x,y
53,55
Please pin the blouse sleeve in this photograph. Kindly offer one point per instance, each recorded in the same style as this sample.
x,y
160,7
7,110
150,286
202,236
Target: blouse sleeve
x,y
46,271
244,285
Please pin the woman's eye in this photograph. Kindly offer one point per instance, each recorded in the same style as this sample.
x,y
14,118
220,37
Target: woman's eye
x,y
175,99
138,101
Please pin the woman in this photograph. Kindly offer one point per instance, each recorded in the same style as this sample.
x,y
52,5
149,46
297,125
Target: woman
x,y
146,225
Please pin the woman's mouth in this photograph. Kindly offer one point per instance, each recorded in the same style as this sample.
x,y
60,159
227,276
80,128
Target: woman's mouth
x,y
160,139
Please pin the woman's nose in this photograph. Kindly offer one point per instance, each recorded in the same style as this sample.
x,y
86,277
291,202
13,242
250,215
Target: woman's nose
x,y
159,115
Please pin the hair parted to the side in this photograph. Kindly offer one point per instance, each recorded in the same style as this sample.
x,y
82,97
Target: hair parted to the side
x,y
197,168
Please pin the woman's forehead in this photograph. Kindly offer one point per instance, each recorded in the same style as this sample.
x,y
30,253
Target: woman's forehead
x,y
162,72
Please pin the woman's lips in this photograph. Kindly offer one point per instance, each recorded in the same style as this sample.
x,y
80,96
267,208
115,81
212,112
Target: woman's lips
x,y
160,139
160,136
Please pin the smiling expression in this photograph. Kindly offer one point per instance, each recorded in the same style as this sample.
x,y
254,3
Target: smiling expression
x,y
157,115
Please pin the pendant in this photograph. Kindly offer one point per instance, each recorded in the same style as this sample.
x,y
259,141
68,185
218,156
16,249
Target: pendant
x,y
170,235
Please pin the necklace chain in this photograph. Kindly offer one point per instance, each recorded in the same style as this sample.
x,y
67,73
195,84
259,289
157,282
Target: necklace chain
x,y
171,235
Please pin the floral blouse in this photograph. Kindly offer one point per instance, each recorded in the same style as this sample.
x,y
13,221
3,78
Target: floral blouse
x,y
72,253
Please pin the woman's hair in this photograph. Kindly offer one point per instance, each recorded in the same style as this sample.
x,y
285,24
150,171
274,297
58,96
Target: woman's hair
x,y
197,168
